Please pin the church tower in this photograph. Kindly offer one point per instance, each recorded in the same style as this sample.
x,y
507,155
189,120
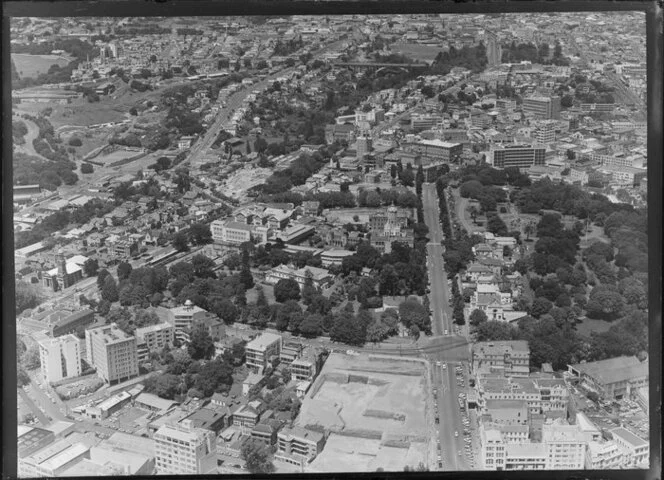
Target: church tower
x,y
63,280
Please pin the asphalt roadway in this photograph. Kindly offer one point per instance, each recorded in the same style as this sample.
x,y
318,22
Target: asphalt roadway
x,y
445,349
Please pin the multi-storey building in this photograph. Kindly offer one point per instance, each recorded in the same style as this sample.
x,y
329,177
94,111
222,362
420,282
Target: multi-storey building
x,y
392,232
565,447
303,369
112,352
364,146
520,156
436,150
544,108
183,449
603,456
298,446
60,357
509,358
153,338
63,325
260,349
613,378
545,132
635,450
184,317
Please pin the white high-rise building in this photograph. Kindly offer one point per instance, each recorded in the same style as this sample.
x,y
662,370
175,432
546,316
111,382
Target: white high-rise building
x,y
60,357
112,352
183,449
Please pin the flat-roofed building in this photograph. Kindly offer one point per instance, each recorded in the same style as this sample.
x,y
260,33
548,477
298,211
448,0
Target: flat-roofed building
x,y
290,351
60,357
183,449
184,317
32,439
53,460
635,450
128,462
525,456
109,406
613,378
544,108
233,233
520,156
246,416
304,368
153,338
436,150
208,419
298,446
565,447
492,452
259,351
509,358
508,412
112,352
603,456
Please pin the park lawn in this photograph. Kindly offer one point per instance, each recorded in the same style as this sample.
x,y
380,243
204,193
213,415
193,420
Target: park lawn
x,y
589,325
31,66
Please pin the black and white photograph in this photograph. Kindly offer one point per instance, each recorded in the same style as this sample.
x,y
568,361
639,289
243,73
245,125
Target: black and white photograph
x,y
302,244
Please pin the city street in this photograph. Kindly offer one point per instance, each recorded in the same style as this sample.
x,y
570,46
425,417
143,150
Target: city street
x,y
451,348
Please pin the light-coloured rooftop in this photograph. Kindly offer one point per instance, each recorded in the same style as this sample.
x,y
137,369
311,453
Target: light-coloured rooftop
x,y
263,341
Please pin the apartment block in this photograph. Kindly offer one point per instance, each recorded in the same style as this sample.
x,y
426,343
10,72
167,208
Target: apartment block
x,y
184,317
112,352
565,447
298,446
603,456
60,357
183,449
153,338
261,349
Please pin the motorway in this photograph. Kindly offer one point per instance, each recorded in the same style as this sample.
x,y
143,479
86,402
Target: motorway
x,y
452,348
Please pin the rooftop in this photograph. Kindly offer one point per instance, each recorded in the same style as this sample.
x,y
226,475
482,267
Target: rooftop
x,y
629,437
263,341
613,370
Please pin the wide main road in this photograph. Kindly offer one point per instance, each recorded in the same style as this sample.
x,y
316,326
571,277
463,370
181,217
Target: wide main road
x,y
451,347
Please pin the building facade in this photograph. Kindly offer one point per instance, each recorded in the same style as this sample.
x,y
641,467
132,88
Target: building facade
x,y
520,156
60,358
183,449
112,352
260,349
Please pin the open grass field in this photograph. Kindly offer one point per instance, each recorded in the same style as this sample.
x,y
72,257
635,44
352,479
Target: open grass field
x,y
109,159
591,325
416,51
31,66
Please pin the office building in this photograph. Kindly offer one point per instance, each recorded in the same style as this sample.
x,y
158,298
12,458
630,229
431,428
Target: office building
x,y
259,351
543,108
112,352
520,156
613,378
182,449
60,357
436,150
507,358
603,456
62,324
153,338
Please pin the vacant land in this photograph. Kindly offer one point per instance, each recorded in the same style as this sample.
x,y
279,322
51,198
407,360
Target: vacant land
x,y
589,325
368,402
31,66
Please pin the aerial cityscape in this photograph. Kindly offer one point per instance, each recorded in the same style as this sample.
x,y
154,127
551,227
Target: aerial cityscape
x,y
307,244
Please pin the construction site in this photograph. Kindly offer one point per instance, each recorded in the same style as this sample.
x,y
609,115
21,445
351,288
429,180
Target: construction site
x,y
371,407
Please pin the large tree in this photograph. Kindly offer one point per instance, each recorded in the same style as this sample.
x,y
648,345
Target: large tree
x,y
201,345
257,456
286,289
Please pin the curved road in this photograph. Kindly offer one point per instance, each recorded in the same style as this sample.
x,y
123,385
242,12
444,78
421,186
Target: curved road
x,y
33,132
